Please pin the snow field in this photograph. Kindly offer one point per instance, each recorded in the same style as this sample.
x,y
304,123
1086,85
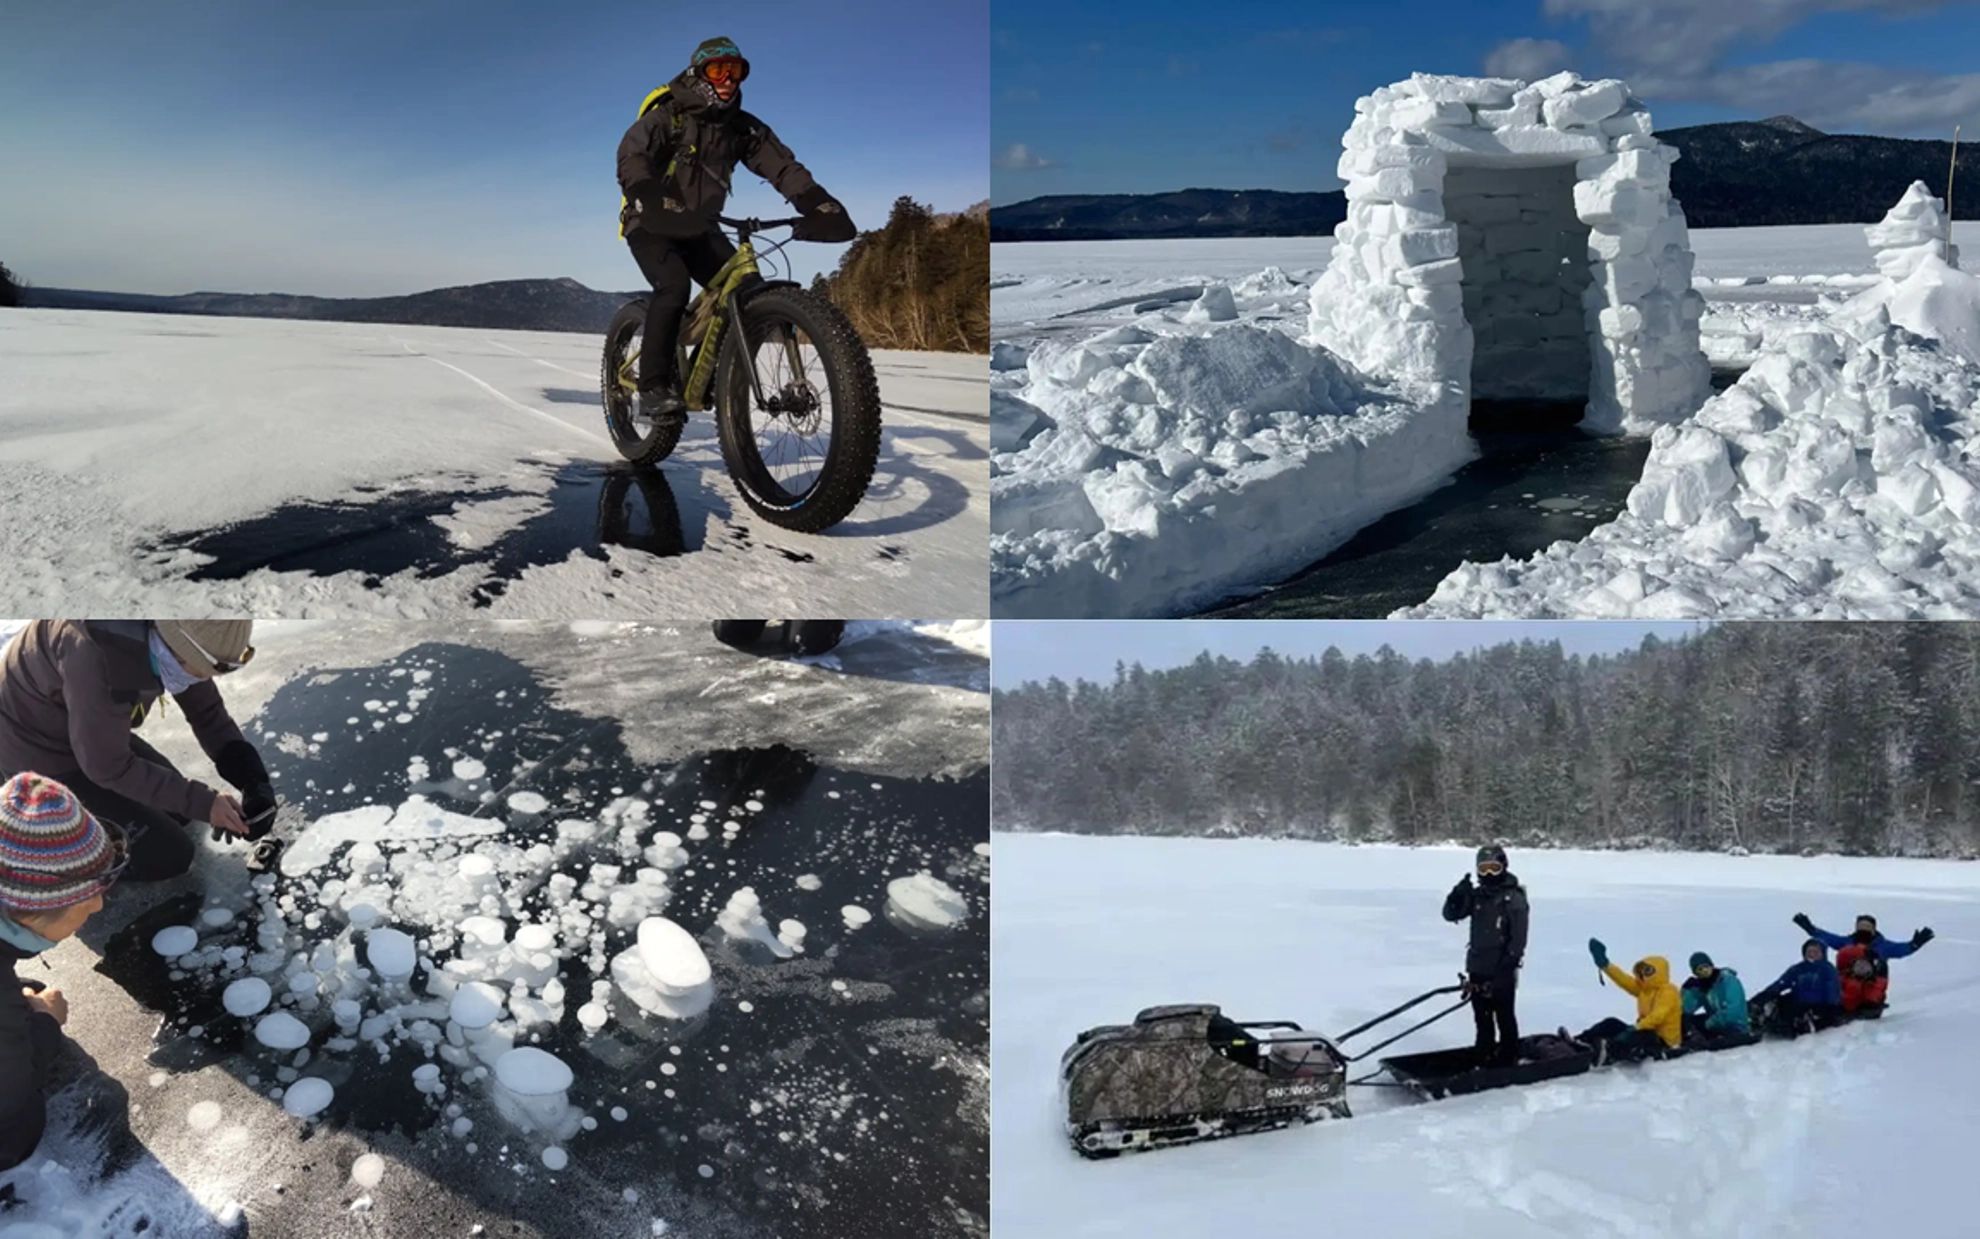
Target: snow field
x,y
1749,1143
329,413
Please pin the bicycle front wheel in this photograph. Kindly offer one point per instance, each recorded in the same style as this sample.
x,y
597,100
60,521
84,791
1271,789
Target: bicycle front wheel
x,y
802,456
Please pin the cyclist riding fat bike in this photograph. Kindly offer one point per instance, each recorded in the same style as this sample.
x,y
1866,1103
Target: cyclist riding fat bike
x,y
675,166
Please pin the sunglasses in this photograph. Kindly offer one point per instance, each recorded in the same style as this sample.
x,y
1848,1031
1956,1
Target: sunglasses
x,y
723,71
220,665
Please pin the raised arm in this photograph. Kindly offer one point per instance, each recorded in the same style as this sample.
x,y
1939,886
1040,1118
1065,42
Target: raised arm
x,y
1457,904
1624,981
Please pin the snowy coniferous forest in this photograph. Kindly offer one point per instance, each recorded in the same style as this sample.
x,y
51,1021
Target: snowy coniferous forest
x,y
1859,738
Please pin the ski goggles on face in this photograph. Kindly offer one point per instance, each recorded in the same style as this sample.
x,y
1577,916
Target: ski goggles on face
x,y
724,72
1645,971
1491,867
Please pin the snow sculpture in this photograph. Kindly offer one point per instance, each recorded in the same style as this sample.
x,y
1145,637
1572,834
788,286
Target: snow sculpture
x,y
1518,241
1912,231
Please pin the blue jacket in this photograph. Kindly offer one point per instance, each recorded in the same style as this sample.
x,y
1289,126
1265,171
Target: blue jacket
x,y
1723,1001
1815,984
1880,944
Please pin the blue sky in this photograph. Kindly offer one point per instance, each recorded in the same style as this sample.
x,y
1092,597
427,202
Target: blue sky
x,y
1255,96
364,147
1087,649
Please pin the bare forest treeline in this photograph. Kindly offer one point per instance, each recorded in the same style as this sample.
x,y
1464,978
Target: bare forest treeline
x,y
921,282
1806,737
10,287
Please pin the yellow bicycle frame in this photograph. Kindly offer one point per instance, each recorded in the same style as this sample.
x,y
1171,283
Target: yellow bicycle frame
x,y
698,392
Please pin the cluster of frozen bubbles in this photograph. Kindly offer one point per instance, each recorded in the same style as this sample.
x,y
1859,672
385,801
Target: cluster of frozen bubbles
x,y
330,974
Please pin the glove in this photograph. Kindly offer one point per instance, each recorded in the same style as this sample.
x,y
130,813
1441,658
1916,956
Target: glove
x,y
258,806
1477,987
1922,937
659,215
825,218
1462,883
1598,952
1801,919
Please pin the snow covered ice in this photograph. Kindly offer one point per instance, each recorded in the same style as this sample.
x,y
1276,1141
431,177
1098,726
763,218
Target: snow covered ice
x,y
1086,931
394,470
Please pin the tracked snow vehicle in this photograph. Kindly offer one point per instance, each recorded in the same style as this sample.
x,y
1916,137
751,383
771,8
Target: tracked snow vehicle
x,y
1184,1073
1180,1074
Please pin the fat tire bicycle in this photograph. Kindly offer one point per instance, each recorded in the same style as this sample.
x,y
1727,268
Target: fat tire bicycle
x,y
796,405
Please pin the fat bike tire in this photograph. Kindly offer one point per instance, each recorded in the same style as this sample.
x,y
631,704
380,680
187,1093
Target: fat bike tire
x,y
644,446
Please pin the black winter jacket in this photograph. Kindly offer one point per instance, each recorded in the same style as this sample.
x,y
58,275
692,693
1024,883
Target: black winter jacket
x,y
689,146
29,1043
1498,925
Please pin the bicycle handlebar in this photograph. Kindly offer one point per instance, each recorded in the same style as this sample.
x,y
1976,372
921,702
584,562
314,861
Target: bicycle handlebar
x,y
752,224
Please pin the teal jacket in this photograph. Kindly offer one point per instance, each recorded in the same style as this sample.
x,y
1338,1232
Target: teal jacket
x,y
1723,1001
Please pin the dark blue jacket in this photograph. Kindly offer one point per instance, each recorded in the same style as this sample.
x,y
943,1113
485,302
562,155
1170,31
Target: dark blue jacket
x,y
1880,944
1814,984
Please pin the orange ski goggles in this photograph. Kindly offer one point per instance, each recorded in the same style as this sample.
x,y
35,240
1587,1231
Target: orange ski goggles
x,y
724,72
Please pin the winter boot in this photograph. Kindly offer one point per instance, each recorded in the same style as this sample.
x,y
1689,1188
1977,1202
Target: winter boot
x,y
662,404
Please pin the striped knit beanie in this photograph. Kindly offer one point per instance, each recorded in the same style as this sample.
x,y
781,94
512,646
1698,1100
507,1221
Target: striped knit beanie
x,y
53,853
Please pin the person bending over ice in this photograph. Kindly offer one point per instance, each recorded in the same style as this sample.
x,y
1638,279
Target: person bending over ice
x,y
1807,996
73,692
1659,1011
55,863
1714,1006
1497,909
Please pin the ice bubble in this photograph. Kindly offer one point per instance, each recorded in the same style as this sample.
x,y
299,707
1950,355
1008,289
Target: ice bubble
x,y
475,867
368,1170
390,952
217,917
618,1114
245,997
754,806
855,915
530,1072
555,1158
205,1115
528,802
810,882
476,1005
672,957
175,940
592,1016
281,1031
303,984
308,1096
467,769
924,901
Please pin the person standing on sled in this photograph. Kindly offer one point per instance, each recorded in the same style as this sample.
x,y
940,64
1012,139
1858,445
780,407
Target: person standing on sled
x,y
1714,1006
1659,1011
675,167
1864,945
1497,909
1807,996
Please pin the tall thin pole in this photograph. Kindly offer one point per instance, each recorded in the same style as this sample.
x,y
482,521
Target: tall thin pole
x,y
1951,171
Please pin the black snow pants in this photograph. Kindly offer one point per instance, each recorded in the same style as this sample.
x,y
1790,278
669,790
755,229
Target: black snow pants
x,y
160,842
669,263
1492,1007
1627,1043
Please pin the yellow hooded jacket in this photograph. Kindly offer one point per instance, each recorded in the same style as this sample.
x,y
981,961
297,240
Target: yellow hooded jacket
x,y
1659,1004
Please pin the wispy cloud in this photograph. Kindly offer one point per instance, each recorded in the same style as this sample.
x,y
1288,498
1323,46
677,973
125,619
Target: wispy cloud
x,y
1680,49
1527,59
1017,157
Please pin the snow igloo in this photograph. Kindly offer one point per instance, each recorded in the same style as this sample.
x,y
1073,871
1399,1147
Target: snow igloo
x,y
1518,242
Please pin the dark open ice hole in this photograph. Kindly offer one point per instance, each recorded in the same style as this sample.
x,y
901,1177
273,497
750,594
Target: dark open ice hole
x,y
591,506
905,1174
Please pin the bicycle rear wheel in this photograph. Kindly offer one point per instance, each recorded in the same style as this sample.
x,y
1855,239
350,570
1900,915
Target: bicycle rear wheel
x,y
804,456
643,443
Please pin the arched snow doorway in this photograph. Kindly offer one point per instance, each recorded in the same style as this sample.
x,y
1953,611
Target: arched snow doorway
x,y
1515,241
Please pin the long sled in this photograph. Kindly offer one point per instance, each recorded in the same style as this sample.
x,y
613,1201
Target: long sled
x,y
1185,1073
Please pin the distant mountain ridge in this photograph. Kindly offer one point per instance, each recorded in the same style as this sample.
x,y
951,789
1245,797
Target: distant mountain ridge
x,y
1735,174
522,305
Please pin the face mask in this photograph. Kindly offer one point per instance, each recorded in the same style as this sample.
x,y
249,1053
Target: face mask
x,y
175,678
1866,936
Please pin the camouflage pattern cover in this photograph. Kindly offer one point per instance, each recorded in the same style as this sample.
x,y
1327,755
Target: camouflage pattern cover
x,y
1163,1064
